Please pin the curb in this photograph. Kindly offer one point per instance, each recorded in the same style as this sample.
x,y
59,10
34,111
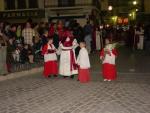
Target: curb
x,y
21,74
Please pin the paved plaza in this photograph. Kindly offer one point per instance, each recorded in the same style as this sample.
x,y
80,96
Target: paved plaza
x,y
130,93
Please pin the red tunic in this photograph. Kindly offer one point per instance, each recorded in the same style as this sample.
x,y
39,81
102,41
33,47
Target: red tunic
x,y
50,60
84,75
109,70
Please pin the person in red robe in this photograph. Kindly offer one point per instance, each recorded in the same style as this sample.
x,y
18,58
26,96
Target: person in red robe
x,y
84,64
67,65
51,30
108,57
50,59
60,30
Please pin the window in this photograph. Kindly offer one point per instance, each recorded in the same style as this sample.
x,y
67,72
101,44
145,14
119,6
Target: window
x,y
33,3
66,3
21,4
10,4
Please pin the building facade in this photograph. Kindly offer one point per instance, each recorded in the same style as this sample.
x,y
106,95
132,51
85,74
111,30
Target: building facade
x,y
18,11
81,10
126,9
47,10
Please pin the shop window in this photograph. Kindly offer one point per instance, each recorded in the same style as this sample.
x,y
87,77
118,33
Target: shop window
x,y
21,4
66,3
33,3
10,4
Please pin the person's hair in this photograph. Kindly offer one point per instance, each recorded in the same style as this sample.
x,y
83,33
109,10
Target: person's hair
x,y
88,22
13,25
83,42
50,38
45,31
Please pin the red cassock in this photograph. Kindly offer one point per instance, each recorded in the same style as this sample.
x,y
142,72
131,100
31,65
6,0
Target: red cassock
x,y
109,70
51,30
84,75
84,66
50,60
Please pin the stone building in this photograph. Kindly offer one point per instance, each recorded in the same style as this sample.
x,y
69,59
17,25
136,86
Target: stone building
x,y
43,10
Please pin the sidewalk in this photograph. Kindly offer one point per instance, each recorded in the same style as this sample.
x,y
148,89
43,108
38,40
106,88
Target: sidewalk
x,y
21,74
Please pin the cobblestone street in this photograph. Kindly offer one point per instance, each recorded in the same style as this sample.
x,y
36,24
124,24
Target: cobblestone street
x,y
35,94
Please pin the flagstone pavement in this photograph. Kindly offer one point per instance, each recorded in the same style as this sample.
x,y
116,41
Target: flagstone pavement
x,y
130,93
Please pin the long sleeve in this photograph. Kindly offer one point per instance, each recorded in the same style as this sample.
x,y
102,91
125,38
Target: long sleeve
x,y
44,50
102,54
83,59
114,51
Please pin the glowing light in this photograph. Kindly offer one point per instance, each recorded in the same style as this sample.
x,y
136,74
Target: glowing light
x,y
110,8
130,14
134,2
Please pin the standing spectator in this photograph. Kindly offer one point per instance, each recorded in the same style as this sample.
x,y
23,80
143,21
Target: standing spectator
x,y
44,37
26,54
37,39
130,37
18,33
98,39
51,30
60,30
79,36
88,30
28,34
3,49
140,32
10,50
12,32
147,38
56,38
1,27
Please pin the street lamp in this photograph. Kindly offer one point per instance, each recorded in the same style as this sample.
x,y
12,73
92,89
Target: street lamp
x,y
130,14
110,8
134,2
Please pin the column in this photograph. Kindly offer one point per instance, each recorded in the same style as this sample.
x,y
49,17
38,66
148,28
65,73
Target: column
x,y
27,4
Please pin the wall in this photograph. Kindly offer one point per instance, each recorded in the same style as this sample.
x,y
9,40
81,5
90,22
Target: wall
x,y
83,2
147,6
49,3
104,5
2,6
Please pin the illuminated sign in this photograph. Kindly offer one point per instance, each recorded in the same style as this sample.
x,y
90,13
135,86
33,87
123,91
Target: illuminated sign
x,y
22,14
122,20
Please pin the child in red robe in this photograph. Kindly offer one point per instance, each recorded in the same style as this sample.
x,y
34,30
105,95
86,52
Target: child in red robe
x,y
108,57
84,64
50,59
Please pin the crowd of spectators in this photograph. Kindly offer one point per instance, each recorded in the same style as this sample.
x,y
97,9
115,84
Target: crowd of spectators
x,y
22,43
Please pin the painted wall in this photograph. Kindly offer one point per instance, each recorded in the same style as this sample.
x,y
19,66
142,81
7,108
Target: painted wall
x,y
2,6
49,3
147,6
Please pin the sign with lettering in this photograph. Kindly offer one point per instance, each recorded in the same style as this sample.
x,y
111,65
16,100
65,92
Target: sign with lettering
x,y
22,14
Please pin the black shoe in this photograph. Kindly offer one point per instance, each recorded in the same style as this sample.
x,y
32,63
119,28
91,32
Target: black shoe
x,y
65,76
55,75
49,76
72,76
